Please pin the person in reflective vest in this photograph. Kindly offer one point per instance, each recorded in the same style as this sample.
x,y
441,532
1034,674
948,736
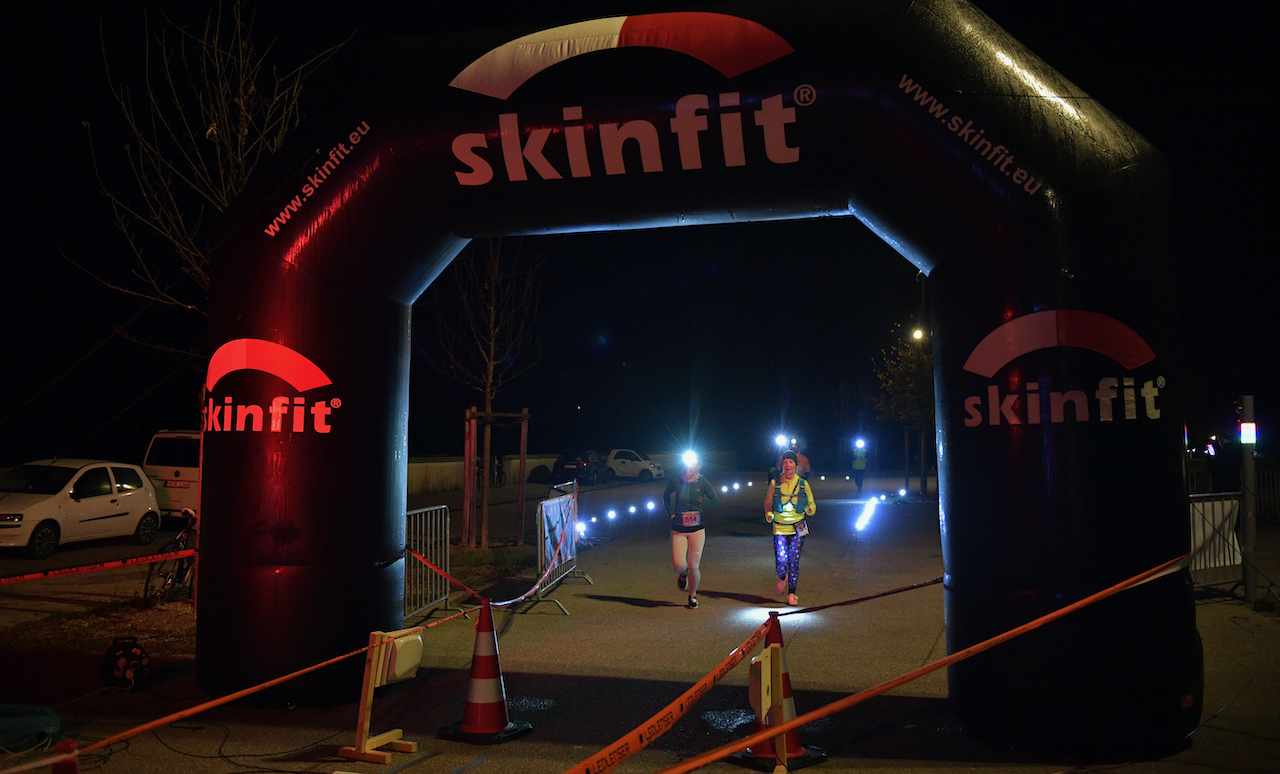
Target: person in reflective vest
x,y
859,463
788,503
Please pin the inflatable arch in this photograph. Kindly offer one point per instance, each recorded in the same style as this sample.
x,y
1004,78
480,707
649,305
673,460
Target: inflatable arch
x,y
1039,217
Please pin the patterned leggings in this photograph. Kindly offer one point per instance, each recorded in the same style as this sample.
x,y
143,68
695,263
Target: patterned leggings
x,y
786,552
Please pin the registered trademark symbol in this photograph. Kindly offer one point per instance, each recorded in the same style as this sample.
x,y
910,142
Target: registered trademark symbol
x,y
337,402
804,94
1160,382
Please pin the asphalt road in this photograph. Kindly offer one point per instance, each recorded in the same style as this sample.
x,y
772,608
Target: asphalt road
x,y
628,647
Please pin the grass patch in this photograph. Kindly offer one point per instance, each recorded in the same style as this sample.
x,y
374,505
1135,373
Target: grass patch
x,y
170,629
479,567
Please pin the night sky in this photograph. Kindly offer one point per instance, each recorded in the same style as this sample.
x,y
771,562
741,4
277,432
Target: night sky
x,y
677,334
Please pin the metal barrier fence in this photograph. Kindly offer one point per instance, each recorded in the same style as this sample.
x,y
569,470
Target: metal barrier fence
x,y
1215,538
558,530
427,532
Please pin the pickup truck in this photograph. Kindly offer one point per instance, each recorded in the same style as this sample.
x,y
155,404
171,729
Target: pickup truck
x,y
626,463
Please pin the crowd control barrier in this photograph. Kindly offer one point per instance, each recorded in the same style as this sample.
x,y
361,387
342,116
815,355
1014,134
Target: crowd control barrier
x,y
1215,539
426,534
558,528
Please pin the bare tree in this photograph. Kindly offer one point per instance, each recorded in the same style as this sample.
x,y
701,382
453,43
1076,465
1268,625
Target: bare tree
x,y
209,109
486,305
907,395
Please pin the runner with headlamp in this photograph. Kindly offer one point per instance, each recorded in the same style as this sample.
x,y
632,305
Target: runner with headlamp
x,y
685,498
787,503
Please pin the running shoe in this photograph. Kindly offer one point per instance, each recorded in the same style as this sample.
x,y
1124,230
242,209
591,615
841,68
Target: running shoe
x,y
780,587
682,580
693,603
793,600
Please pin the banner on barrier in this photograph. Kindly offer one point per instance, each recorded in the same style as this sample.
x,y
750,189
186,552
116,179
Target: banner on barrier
x,y
557,520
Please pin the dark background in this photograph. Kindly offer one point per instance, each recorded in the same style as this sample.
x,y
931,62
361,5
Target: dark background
x,y
650,339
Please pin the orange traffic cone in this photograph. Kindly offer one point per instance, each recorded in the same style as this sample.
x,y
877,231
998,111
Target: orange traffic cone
x,y
70,765
762,755
485,720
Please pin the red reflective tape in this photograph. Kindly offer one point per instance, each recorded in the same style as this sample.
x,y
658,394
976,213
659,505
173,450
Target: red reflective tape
x,y
148,559
550,566
450,578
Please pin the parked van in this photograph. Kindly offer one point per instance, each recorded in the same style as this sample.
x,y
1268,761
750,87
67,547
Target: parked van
x,y
173,465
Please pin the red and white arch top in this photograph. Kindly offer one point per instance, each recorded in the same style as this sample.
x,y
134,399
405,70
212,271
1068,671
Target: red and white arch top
x,y
728,43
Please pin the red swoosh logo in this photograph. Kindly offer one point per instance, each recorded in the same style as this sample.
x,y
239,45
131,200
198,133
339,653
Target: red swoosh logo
x,y
728,43
1058,328
268,357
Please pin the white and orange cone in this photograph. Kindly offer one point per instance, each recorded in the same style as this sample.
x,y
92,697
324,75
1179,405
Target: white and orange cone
x,y
485,719
762,755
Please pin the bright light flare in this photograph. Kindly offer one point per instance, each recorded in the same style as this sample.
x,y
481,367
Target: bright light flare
x,y
724,488
612,514
650,505
735,486
582,528
689,458
902,493
780,440
865,518
632,509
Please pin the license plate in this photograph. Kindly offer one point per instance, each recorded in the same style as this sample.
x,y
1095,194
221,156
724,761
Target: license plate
x,y
177,485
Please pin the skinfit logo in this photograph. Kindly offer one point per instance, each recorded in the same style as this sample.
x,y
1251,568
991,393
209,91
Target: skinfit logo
x,y
729,44
1061,328
278,360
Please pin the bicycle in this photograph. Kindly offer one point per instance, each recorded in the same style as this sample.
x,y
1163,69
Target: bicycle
x,y
165,576
497,476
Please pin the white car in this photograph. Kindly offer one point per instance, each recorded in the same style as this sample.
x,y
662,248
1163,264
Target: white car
x,y
47,503
626,463
172,462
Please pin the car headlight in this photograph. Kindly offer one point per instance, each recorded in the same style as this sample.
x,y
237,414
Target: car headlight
x,y
10,518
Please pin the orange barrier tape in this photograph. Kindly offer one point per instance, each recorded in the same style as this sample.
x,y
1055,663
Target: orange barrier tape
x,y
183,714
148,559
42,764
725,751
186,713
610,757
